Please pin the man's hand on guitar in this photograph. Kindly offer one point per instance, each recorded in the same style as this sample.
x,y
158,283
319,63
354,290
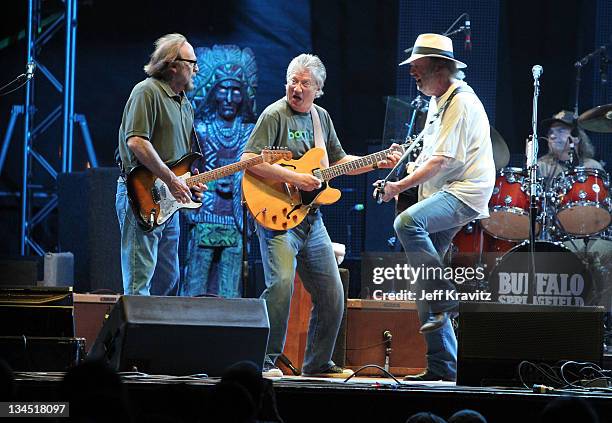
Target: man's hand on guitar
x,y
179,189
391,189
198,189
392,158
305,181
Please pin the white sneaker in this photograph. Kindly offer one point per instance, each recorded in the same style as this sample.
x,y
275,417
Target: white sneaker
x,y
271,371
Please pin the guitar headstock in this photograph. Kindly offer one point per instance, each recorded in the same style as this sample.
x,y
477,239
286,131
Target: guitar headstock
x,y
273,154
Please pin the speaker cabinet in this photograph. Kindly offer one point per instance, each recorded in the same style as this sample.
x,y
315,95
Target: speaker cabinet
x,y
36,311
494,338
90,312
181,335
88,228
368,320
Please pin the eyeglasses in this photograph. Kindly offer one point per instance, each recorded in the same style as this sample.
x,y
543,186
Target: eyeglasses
x,y
307,84
194,63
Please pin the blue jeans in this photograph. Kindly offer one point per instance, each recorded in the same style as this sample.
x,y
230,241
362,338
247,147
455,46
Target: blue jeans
x,y
149,260
426,230
308,249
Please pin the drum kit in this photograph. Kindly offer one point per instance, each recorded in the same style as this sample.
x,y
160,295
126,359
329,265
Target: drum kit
x,y
573,232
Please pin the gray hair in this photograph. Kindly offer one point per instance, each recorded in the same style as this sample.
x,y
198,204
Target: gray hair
x,y
166,51
440,63
311,63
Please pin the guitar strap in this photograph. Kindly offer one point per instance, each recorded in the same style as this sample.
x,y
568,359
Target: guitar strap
x,y
442,109
318,135
195,140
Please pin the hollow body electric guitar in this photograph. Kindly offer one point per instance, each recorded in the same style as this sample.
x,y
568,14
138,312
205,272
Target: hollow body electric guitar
x,y
153,203
281,206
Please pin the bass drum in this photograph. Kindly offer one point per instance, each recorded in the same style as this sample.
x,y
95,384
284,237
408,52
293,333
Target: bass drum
x,y
561,277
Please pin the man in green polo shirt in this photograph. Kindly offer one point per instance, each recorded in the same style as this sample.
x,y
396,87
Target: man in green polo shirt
x,y
156,128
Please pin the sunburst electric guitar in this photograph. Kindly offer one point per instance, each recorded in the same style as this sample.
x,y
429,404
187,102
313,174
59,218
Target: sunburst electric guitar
x,y
281,206
151,200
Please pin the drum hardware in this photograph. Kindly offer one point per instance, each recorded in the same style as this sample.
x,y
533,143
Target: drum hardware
x,y
591,120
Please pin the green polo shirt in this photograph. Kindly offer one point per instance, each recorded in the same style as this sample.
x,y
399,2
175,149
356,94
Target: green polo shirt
x,y
281,126
158,114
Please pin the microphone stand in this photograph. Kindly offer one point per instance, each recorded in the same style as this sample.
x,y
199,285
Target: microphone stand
x,y
448,32
417,105
532,165
245,251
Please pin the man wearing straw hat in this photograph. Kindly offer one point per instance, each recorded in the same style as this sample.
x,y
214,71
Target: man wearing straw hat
x,y
456,174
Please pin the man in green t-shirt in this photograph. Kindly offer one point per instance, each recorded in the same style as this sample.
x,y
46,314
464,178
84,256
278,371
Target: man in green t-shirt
x,y
288,123
156,129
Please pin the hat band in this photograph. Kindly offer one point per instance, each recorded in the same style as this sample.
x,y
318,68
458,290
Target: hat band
x,y
431,50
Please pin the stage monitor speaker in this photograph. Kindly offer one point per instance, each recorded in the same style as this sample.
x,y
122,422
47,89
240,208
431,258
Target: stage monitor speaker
x,y
495,338
183,335
36,311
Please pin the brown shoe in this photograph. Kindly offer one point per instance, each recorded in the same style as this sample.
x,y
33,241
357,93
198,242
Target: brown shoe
x,y
333,371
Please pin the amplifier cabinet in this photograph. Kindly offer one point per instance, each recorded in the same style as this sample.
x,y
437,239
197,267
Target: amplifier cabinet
x,y
367,322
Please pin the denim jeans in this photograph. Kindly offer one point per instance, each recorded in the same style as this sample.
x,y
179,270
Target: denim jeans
x,y
426,230
308,248
149,260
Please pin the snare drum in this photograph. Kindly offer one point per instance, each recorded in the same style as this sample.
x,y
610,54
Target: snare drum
x,y
583,204
509,206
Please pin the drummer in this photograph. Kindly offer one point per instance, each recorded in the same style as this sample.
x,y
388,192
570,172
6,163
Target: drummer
x,y
566,149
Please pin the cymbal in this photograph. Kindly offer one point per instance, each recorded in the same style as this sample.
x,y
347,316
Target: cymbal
x,y
597,119
501,154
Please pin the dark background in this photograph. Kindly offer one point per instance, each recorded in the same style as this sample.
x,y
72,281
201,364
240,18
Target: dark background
x,y
360,42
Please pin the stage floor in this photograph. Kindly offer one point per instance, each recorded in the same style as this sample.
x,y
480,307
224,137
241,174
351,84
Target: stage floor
x,y
333,400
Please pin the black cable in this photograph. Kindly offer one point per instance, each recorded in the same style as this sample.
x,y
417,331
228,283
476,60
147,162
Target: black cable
x,y
375,366
13,82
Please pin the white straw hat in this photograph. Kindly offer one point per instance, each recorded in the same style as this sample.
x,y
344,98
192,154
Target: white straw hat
x,y
433,45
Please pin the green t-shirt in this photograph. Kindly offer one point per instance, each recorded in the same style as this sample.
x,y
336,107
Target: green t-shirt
x,y
279,125
158,114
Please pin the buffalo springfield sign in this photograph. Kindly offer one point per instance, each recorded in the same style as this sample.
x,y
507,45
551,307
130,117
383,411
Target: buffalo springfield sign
x,y
559,279
389,276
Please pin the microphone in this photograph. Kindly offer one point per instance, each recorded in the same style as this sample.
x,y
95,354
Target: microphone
x,y
574,157
283,359
468,34
30,70
537,71
603,67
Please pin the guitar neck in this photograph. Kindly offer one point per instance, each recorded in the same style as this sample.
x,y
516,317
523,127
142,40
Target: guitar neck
x,y
360,163
223,171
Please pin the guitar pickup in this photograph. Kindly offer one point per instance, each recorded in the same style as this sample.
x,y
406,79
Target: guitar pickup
x,y
155,195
